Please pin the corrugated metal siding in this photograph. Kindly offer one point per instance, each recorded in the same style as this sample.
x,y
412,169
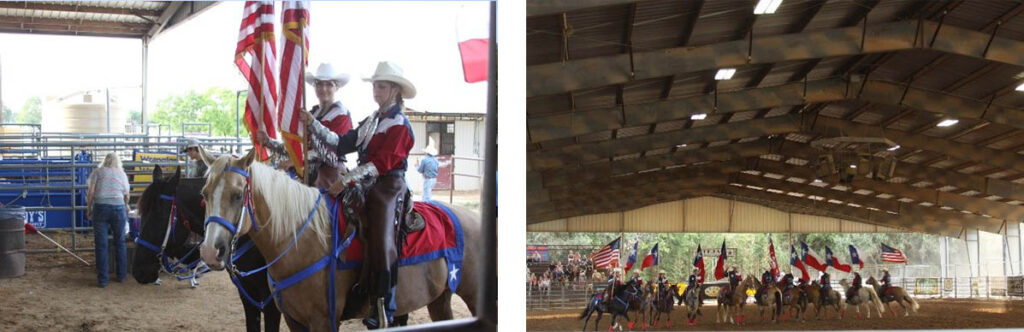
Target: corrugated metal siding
x,y
883,229
706,214
858,227
752,218
557,225
606,222
803,223
465,136
660,218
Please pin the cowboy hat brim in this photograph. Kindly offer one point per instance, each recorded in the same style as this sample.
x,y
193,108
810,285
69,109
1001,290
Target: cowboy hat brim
x,y
408,89
341,78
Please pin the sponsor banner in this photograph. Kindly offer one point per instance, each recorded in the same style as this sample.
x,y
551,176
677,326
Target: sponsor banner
x,y
1015,286
926,286
146,175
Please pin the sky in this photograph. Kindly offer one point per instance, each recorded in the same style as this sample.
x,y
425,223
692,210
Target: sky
x,y
421,37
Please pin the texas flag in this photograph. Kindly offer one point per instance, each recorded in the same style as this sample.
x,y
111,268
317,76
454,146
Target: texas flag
x,y
795,260
698,262
811,259
651,259
632,257
855,258
472,31
833,261
720,268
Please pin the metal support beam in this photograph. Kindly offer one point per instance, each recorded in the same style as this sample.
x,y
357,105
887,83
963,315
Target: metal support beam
x,y
568,124
973,250
547,7
556,157
836,127
556,78
1011,246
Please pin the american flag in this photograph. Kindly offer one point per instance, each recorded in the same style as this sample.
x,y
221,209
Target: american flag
x,y
892,255
256,40
607,256
295,19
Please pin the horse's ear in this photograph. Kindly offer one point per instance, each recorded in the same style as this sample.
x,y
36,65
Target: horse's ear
x,y
177,176
249,157
157,173
206,156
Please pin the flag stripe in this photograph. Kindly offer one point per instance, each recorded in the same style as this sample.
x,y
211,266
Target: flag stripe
x,y
295,19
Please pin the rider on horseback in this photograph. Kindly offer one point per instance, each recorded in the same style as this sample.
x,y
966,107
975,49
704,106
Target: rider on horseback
x,y
691,281
886,286
614,282
766,281
826,286
383,141
854,288
637,279
787,284
734,280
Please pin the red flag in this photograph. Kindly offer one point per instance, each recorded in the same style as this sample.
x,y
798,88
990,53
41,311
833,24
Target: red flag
x,y
475,53
256,40
295,19
773,263
30,229
651,259
720,268
474,45
698,262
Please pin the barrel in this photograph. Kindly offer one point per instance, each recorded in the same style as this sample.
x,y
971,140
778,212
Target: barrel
x,y
12,241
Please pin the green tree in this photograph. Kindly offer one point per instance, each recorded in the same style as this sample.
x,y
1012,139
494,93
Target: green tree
x,y
8,115
135,116
32,111
215,106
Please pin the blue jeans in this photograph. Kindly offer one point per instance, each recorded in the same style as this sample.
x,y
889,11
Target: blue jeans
x,y
428,186
107,218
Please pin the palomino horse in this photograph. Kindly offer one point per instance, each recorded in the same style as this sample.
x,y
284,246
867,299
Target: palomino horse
x,y
899,295
865,296
277,212
155,208
662,304
734,301
833,299
770,299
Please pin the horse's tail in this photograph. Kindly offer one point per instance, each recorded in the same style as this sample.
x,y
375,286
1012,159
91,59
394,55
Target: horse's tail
x,y
874,298
913,302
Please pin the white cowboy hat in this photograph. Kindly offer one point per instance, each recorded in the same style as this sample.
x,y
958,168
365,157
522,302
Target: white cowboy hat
x,y
430,149
326,72
388,71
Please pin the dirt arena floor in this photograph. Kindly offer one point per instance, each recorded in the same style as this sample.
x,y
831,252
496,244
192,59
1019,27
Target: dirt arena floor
x,y
934,314
59,293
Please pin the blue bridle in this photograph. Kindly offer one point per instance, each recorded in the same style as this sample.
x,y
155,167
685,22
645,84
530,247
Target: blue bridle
x,y
177,268
277,286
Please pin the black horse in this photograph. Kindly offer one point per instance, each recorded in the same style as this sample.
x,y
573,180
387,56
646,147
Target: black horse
x,y
155,212
617,306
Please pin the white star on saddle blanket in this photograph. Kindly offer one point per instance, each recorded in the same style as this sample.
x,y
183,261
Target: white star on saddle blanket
x,y
452,273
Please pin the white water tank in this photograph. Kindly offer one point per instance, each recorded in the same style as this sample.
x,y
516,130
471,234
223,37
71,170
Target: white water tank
x,y
83,112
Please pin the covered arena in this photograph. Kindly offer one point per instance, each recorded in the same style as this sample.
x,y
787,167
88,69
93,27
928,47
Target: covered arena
x,y
792,118
43,178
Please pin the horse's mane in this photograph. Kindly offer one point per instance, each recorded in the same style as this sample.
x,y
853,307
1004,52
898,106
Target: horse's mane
x,y
289,202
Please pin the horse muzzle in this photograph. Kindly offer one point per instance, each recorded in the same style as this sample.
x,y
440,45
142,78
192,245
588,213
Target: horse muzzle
x,y
214,255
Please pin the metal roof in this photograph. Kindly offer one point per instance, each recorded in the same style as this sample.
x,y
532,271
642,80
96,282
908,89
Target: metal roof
x,y
612,85
127,19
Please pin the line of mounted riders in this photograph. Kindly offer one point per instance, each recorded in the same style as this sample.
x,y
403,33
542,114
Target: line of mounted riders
x,y
650,301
